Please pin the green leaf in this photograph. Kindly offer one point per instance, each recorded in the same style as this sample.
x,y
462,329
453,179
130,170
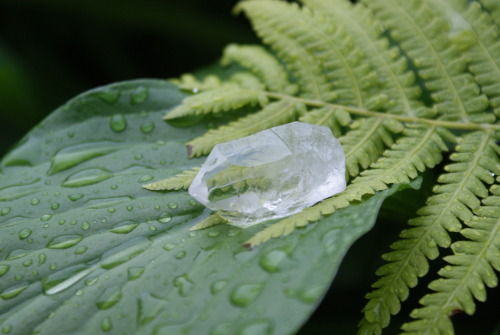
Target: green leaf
x,y
85,249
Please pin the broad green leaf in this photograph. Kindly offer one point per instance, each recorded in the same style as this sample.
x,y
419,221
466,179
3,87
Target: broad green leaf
x,y
86,250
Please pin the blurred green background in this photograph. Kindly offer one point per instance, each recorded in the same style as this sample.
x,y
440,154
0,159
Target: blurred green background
x,y
51,50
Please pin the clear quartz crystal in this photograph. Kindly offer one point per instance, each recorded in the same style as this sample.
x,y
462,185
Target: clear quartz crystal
x,y
271,174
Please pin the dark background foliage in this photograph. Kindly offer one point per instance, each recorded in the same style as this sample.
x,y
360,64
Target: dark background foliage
x,y
51,50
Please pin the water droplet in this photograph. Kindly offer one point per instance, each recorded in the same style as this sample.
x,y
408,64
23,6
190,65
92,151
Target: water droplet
x,y
124,252
172,205
110,297
181,255
86,177
106,324
111,210
218,286
16,254
124,227
109,96
130,208
64,241
46,217
138,157
91,281
118,123
27,263
312,295
272,260
18,277
41,259
145,178
152,228
80,250
64,279
7,329
135,273
245,294
76,196
35,201
165,218
4,269
5,211
139,95
54,206
169,246
85,225
147,127
257,328
75,155
24,233
53,266
184,285
13,292
213,233
193,202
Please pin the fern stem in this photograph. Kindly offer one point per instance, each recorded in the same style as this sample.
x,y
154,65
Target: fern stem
x,y
409,119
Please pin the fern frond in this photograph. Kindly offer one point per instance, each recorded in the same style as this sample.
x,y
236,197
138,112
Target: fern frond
x,y
262,63
420,148
222,99
398,82
478,37
178,182
493,8
455,198
191,83
274,114
328,116
212,220
336,60
423,35
247,80
471,267
365,143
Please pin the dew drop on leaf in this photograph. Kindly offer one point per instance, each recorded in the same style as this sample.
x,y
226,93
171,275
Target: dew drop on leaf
x,y
110,297
184,285
110,96
135,273
54,206
80,250
76,196
217,286
169,246
4,269
180,255
7,329
46,217
124,227
271,261
257,328
118,123
147,127
106,324
24,233
172,205
245,294
35,201
64,241
139,95
213,233
13,292
165,218
5,211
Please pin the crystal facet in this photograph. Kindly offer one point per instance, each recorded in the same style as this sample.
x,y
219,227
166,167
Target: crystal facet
x,y
271,174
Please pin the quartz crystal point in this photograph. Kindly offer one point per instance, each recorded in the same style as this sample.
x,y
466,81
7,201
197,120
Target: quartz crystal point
x,y
271,174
